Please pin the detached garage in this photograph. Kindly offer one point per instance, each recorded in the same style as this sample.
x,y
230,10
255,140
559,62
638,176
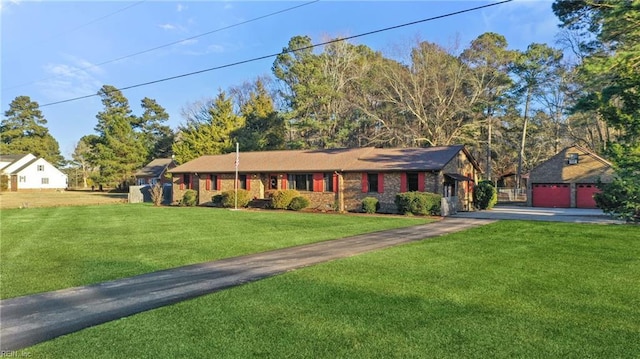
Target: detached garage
x,y
568,179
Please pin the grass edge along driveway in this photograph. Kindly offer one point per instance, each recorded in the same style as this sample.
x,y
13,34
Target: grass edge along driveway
x,y
508,289
45,249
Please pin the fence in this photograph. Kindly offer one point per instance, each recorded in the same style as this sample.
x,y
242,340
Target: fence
x,y
512,194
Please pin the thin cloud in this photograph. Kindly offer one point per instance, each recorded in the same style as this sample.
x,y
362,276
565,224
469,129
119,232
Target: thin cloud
x,y
180,7
70,80
167,27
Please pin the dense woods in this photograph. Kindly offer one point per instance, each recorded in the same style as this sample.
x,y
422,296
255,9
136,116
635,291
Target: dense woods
x,y
513,109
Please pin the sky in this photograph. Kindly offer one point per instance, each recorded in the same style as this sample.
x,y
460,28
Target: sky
x,y
59,50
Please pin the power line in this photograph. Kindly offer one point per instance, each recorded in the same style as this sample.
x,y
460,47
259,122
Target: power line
x,y
166,45
96,20
285,52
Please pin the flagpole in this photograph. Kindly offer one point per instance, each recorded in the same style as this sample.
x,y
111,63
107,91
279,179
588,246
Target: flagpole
x,y
236,183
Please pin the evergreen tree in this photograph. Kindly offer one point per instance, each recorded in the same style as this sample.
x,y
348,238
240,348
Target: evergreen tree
x,y
156,137
208,129
264,128
23,130
117,150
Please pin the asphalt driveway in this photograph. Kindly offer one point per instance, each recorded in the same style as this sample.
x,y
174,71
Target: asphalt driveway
x,y
29,320
575,215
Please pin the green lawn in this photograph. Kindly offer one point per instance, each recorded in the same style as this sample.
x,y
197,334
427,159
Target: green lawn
x,y
506,290
45,249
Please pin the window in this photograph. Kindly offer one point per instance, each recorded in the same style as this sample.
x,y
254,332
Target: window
x,y
301,182
45,180
372,180
22,179
186,181
328,182
573,158
413,182
40,168
212,183
242,181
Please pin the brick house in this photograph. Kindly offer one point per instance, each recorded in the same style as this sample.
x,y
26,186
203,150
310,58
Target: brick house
x,y
336,178
568,179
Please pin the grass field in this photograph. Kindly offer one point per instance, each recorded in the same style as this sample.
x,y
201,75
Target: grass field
x,y
52,248
506,290
56,199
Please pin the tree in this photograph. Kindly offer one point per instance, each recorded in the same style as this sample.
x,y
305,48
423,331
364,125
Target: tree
x,y
23,130
489,60
117,151
156,137
611,74
533,70
264,128
81,158
208,129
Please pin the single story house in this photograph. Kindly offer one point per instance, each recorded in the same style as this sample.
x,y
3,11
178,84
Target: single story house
x,y
155,172
28,172
568,179
336,178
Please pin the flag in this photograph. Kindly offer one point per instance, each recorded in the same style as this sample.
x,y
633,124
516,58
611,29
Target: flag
x,y
237,163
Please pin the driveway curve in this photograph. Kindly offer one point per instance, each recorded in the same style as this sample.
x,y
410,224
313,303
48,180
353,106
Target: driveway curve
x,y
29,320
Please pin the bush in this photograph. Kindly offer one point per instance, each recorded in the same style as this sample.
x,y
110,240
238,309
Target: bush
x,y
216,200
423,203
229,198
157,191
370,205
190,198
298,203
4,183
485,195
281,199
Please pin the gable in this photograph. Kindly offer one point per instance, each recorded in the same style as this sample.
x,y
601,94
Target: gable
x,y
589,168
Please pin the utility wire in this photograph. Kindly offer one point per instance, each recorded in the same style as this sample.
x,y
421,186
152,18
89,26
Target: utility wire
x,y
285,52
95,20
167,45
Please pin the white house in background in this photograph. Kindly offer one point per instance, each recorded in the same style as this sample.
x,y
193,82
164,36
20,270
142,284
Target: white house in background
x,y
27,172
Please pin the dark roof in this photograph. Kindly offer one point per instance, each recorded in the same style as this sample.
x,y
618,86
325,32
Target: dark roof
x,y
18,170
12,158
155,168
328,160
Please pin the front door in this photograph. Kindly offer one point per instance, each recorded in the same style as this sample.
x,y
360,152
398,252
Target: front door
x,y
273,182
14,183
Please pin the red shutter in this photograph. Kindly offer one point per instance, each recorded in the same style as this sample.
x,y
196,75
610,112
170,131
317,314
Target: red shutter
x,y
208,183
365,185
284,182
218,183
335,183
247,180
380,182
403,182
421,181
318,182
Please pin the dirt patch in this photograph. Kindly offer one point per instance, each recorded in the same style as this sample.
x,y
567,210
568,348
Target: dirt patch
x,y
57,199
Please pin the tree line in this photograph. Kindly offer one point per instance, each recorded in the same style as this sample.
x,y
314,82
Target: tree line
x,y
513,109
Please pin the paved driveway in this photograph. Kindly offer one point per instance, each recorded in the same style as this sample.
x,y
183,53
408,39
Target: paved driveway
x,y
576,215
32,319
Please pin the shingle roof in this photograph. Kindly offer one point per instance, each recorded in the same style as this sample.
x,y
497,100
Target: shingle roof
x,y
155,168
11,158
326,160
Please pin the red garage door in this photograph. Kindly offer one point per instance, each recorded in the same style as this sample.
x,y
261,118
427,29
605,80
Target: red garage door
x,y
551,195
584,195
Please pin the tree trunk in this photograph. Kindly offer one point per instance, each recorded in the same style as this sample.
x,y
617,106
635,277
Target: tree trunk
x,y
523,141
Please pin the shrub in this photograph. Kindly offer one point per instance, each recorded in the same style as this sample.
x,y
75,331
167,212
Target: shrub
x,y
229,198
298,203
485,196
281,199
157,191
423,203
190,198
4,183
216,200
370,205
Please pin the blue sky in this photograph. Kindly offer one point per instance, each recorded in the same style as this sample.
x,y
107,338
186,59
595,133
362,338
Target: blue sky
x,y
49,48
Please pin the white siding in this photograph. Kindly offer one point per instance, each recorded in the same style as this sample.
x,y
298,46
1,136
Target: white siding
x,y
48,178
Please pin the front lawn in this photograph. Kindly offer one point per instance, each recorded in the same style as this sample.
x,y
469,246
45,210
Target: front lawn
x,y
506,290
44,249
